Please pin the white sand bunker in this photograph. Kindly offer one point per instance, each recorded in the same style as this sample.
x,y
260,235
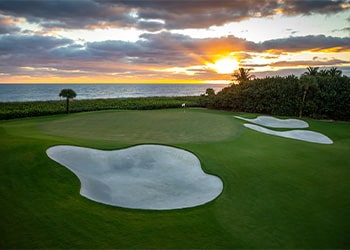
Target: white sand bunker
x,y
273,122
144,177
303,135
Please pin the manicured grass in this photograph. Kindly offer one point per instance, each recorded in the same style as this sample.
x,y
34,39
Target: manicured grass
x,y
154,126
278,192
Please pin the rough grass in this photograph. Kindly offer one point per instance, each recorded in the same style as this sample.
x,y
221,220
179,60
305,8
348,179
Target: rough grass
x,y
278,192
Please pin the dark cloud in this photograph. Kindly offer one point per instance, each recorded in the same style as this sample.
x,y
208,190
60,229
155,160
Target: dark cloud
x,y
166,47
151,51
339,30
346,29
68,14
150,25
295,44
31,45
18,51
205,13
306,63
167,42
293,7
176,14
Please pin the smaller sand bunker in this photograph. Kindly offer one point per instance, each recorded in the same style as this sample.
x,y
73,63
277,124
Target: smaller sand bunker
x,y
273,122
144,177
303,135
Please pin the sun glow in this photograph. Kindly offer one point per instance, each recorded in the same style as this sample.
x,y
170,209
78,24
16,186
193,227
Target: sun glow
x,y
225,65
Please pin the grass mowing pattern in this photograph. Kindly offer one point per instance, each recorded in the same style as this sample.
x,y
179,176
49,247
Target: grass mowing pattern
x,y
278,193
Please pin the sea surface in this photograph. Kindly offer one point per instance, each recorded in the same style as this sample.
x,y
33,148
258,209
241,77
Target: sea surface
x,y
44,92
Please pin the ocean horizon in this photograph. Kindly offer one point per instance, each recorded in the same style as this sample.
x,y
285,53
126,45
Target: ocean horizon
x,y
46,92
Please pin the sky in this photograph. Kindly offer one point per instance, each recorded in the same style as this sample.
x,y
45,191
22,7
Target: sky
x,y
168,41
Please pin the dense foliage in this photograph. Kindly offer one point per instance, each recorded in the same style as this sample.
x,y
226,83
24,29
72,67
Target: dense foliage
x,y
316,96
10,110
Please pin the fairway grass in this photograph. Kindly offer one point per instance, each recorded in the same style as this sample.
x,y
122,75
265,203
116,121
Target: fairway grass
x,y
278,192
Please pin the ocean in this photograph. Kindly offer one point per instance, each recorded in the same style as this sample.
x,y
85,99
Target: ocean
x,y
44,92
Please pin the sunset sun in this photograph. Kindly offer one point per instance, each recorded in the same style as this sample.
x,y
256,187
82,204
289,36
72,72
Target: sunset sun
x,y
224,65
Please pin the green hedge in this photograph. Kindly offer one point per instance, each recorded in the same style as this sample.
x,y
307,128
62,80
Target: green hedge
x,y
321,97
11,110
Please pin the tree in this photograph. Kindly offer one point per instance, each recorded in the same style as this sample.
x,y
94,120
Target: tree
x,y
323,73
68,94
311,71
306,82
210,92
242,75
334,72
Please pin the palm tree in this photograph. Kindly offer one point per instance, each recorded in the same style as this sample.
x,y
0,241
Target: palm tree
x,y
68,94
306,82
242,75
333,72
323,72
311,71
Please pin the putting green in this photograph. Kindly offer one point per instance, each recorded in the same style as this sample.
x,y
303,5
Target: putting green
x,y
155,126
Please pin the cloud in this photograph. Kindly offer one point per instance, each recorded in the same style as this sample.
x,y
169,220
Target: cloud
x,y
174,14
303,43
7,25
18,44
150,25
206,13
18,51
294,7
29,45
306,63
165,55
69,14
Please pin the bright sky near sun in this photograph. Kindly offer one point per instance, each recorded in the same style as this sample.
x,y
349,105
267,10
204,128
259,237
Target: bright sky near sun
x,y
168,41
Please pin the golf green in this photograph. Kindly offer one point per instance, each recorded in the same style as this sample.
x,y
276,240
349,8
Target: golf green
x,y
277,192
173,126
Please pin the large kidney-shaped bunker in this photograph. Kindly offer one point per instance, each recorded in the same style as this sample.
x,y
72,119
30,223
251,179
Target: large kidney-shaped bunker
x,y
143,177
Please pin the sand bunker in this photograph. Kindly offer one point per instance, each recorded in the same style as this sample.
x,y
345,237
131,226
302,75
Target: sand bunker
x,y
303,135
273,122
144,177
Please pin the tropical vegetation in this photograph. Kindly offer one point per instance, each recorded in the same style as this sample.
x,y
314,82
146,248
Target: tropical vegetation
x,y
317,94
68,94
242,75
10,110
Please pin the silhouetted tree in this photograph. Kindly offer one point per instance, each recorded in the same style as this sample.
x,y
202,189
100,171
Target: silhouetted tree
x,y
210,92
334,72
311,71
323,72
68,94
242,75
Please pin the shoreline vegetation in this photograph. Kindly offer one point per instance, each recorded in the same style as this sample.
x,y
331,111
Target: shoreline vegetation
x,y
323,94
13,110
